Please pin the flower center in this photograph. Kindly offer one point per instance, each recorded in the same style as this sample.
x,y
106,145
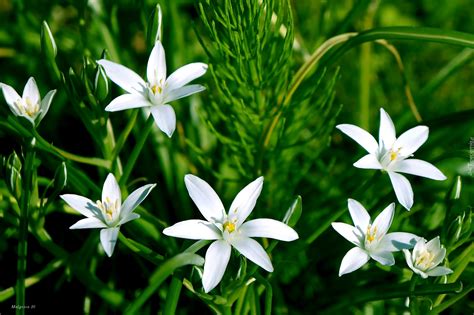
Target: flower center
x,y
157,89
108,208
229,226
27,107
371,234
394,154
424,260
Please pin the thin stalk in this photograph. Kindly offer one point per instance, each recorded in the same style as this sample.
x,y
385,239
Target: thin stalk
x,y
172,297
23,227
414,307
136,150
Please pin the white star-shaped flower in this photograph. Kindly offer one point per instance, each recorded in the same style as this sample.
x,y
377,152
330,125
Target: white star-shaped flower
x,y
228,229
392,155
29,105
158,91
109,213
371,238
426,257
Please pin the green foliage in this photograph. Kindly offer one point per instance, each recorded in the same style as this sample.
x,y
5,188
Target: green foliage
x,y
281,75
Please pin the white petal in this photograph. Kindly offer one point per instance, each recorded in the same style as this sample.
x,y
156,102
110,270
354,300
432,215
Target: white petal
x,y
419,168
31,91
420,246
359,135
205,198
127,101
359,215
111,190
183,92
433,245
403,189
408,258
368,161
386,130
11,97
411,140
81,204
396,241
165,118
384,220
185,74
439,271
135,199
88,223
45,103
353,260
108,239
347,231
194,230
245,200
253,251
217,258
385,258
156,68
268,228
128,218
123,77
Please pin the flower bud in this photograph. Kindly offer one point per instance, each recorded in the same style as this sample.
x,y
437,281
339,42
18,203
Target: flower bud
x,y
154,30
13,175
101,84
48,45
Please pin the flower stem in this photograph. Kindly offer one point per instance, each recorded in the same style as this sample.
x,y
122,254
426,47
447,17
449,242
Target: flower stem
x,y
23,227
414,307
136,151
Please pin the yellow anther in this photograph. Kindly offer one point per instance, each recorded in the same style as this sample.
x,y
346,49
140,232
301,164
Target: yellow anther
x,y
229,226
371,233
156,88
424,260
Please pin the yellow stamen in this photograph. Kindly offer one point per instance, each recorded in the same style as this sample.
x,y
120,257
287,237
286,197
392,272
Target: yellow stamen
x,y
424,260
371,233
229,226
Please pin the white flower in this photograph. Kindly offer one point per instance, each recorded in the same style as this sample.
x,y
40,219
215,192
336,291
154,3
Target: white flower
x,y
228,229
30,105
108,214
371,238
391,155
426,257
158,91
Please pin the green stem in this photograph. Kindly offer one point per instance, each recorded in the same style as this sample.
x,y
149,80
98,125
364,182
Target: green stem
x,y
136,150
23,227
141,250
414,307
172,297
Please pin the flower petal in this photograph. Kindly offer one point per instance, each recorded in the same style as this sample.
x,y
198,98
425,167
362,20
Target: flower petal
x,y
11,97
396,241
183,92
253,251
353,260
268,228
156,68
194,230
368,161
359,215
123,77
127,101
419,168
387,135
31,91
245,200
135,199
205,198
83,205
165,118
185,74
88,223
108,239
45,103
383,257
408,258
217,258
384,220
128,218
359,135
411,140
111,190
348,232
439,271
403,189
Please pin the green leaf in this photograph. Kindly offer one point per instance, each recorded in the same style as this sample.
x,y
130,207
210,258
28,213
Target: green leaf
x,y
294,212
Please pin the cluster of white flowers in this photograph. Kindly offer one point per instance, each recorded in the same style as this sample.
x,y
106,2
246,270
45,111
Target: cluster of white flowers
x,y
391,155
